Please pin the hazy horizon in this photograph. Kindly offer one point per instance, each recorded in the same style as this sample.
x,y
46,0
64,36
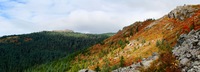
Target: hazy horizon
x,y
88,16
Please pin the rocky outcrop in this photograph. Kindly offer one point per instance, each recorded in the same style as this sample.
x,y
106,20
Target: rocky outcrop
x,y
187,51
86,70
151,25
183,12
136,66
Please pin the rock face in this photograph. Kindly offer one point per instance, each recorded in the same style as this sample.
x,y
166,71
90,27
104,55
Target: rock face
x,y
135,67
183,12
187,51
86,70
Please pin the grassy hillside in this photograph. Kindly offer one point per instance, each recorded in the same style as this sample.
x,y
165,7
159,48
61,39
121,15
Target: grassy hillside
x,y
20,52
133,43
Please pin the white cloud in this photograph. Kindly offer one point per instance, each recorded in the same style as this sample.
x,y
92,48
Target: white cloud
x,y
7,27
93,16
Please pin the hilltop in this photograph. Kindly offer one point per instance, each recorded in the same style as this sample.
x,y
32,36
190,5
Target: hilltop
x,y
19,52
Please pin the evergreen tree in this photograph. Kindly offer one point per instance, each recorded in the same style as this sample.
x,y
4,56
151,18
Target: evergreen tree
x,y
97,69
121,61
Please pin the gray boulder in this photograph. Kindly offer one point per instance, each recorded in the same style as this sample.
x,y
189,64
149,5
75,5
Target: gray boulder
x,y
145,63
183,12
187,51
86,70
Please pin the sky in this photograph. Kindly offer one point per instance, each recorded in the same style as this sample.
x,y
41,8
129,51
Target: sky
x,y
86,16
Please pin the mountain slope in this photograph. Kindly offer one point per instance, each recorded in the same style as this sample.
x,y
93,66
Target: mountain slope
x,y
135,43
19,52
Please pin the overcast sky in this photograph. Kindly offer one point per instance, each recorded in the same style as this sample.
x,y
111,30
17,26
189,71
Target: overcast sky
x,y
87,16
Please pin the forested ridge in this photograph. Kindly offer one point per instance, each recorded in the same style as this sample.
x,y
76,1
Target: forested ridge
x,y
20,52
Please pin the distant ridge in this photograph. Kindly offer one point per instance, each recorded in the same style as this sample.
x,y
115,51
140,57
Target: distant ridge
x,y
66,30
